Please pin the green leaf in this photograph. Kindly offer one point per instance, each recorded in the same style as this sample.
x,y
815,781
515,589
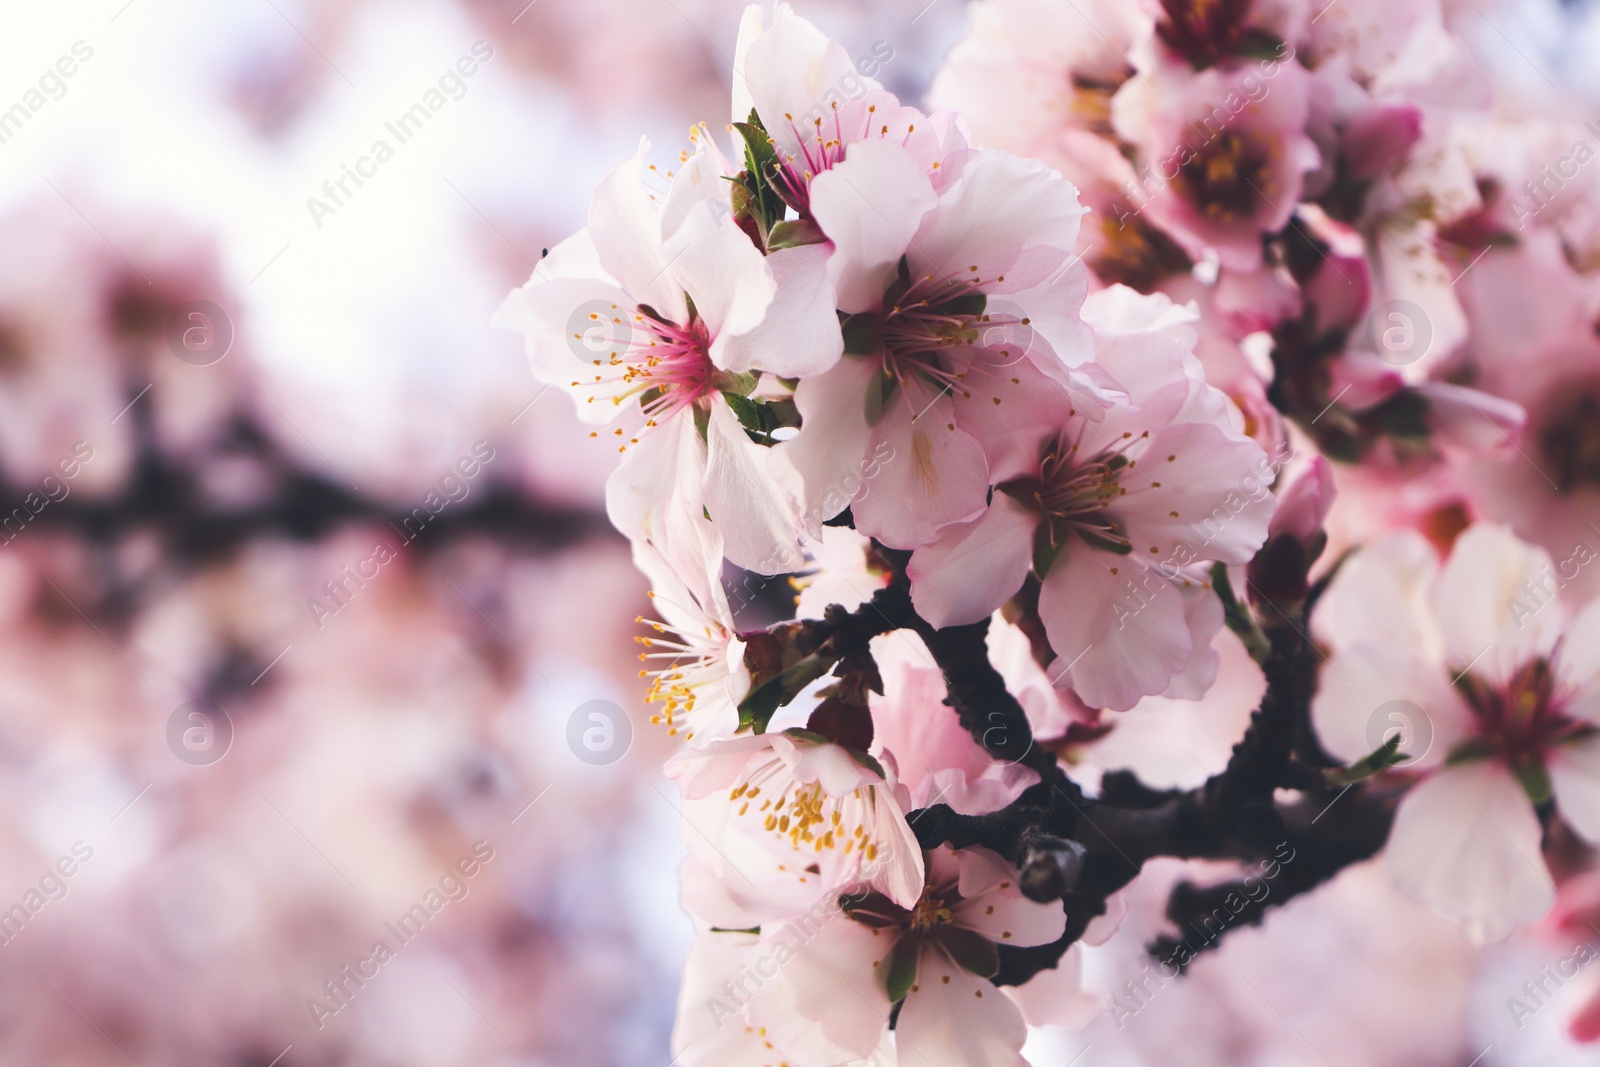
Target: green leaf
x,y
1380,759
902,969
747,411
743,200
794,233
1239,617
757,142
970,949
782,412
741,383
760,160
759,705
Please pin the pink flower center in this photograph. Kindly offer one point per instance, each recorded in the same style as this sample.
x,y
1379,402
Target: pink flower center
x,y
933,910
943,330
1228,177
673,362
823,142
1523,718
1569,436
667,366
1135,252
1073,494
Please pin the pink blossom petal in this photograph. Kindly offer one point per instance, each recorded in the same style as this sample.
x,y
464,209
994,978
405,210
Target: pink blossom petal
x,y
973,567
1117,625
953,1018
1466,842
870,206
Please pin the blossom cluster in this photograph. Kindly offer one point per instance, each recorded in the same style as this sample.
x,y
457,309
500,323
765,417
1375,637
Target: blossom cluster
x,y
1061,372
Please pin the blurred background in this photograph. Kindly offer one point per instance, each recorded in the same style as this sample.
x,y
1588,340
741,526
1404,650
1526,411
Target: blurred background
x,y
307,597
302,580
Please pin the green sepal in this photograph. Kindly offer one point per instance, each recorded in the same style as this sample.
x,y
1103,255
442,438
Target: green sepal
x,y
742,383
763,204
1471,750
1105,544
869,763
860,757
902,968
747,411
794,233
862,334
762,702
1045,550
1534,779
1239,617
1380,759
880,390
971,950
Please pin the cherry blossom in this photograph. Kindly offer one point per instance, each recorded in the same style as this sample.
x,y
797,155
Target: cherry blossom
x,y
664,291
830,1002
791,816
1112,516
696,664
1497,694
961,317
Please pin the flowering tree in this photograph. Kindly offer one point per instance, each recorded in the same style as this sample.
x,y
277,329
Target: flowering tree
x,y
1042,407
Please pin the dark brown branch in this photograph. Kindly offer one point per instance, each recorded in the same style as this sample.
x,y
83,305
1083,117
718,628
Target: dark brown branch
x,y
1081,850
